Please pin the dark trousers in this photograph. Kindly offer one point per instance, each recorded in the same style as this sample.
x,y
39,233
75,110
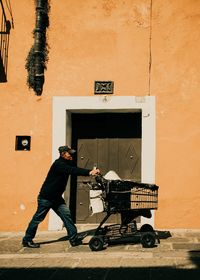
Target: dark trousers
x,y
60,208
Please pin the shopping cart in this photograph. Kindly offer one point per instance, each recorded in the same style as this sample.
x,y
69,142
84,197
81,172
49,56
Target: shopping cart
x,y
131,200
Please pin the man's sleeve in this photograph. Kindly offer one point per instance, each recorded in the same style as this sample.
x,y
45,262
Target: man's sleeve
x,y
73,170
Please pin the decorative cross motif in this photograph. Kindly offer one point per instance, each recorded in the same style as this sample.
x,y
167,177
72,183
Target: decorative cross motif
x,y
103,87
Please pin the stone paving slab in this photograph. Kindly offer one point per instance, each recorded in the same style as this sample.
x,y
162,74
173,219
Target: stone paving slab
x,y
177,256
186,246
100,259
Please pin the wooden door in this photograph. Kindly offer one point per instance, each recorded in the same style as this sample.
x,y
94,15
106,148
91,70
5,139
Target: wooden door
x,y
122,155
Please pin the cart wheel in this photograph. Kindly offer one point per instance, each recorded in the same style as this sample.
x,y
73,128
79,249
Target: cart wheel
x,y
96,243
146,227
148,240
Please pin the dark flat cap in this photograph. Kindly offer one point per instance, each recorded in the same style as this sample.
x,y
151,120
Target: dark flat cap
x,y
68,149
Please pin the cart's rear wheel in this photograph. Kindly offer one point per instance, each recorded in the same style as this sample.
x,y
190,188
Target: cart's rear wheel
x,y
148,239
146,227
96,243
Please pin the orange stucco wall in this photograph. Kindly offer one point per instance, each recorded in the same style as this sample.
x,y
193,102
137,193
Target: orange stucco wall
x,y
175,82
106,40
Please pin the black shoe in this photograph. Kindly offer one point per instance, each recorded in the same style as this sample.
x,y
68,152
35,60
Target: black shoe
x,y
30,244
76,242
78,239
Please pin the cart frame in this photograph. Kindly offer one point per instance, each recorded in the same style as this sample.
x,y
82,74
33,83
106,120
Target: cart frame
x,y
138,196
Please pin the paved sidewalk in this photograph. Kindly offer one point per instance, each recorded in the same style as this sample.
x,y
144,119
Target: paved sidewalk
x,y
176,256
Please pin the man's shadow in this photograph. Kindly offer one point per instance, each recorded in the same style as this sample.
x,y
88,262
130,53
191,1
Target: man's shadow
x,y
65,238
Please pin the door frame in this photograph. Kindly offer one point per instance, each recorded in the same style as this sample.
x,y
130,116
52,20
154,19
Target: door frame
x,y
64,106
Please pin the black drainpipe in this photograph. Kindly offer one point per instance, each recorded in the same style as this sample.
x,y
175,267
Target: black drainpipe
x,y
38,55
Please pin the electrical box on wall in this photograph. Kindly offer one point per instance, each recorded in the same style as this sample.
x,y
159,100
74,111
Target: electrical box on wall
x,y
23,143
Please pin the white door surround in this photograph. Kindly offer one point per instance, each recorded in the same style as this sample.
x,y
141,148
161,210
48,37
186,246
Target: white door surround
x,y
63,106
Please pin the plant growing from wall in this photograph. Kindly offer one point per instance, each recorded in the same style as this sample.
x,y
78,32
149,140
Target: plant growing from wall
x,y
37,58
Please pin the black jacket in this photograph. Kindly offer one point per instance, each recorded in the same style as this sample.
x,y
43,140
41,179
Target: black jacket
x,y
56,180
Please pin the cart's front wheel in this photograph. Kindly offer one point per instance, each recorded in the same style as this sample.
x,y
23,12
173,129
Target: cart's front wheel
x,y
96,243
148,239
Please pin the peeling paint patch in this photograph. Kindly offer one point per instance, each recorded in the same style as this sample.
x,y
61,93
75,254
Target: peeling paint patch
x,y
22,207
142,15
108,6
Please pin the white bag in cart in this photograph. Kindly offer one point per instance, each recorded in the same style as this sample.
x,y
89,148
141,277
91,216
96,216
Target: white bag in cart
x,y
96,201
112,175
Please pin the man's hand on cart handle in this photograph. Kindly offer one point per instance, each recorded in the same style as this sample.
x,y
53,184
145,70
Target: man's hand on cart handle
x,y
94,171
